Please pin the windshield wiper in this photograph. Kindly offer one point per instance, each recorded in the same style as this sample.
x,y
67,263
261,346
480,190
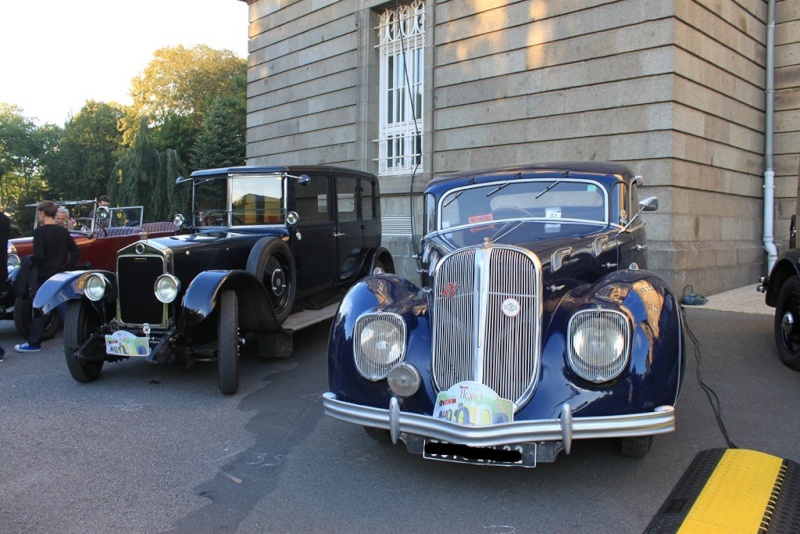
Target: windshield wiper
x,y
548,188
496,189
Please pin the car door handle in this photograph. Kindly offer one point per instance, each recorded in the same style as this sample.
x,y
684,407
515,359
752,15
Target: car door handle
x,y
338,234
639,247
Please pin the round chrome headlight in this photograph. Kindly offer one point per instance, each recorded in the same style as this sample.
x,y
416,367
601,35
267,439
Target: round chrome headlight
x,y
598,344
380,342
404,379
96,287
166,288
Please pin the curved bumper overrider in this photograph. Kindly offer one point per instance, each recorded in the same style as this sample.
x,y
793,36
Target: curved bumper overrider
x,y
565,429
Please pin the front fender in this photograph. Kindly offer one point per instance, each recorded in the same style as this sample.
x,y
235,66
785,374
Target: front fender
x,y
62,287
255,312
788,265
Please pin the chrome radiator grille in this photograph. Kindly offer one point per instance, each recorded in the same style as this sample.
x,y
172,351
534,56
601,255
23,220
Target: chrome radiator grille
x,y
487,320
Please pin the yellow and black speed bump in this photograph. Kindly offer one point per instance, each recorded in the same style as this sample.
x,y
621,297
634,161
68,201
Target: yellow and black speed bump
x,y
733,490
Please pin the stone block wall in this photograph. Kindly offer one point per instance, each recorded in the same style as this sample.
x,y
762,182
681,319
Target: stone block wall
x,y
673,88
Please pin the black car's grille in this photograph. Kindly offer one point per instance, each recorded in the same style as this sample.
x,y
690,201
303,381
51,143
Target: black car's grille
x,y
136,276
487,320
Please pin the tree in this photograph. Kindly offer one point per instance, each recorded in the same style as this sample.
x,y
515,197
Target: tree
x,y
176,90
146,176
86,156
23,146
221,142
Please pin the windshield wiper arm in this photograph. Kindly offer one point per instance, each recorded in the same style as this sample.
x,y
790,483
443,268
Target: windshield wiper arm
x,y
548,188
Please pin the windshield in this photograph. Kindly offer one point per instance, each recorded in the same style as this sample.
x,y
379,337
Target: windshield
x,y
253,200
564,199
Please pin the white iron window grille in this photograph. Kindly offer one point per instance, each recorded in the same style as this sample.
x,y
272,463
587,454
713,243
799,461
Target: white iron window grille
x,y
401,33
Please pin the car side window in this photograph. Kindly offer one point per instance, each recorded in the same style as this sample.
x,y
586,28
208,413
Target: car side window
x,y
311,201
346,195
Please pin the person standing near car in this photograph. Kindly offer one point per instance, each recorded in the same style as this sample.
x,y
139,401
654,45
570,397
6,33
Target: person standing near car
x,y
53,251
5,231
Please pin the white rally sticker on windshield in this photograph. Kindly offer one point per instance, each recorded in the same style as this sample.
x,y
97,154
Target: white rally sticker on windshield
x,y
473,404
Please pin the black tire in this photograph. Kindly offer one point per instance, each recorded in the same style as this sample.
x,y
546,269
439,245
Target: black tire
x,y
787,323
380,435
636,447
271,262
23,317
228,343
81,322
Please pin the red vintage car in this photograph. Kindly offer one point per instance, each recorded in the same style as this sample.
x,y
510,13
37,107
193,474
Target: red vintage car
x,y
99,235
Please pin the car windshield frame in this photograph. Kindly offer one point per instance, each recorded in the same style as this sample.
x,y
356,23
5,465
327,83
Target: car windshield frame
x,y
241,199
570,200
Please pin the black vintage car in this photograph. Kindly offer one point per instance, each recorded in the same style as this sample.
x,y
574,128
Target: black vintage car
x,y
261,243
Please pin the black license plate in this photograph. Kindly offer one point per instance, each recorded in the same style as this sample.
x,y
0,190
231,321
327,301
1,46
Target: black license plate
x,y
520,454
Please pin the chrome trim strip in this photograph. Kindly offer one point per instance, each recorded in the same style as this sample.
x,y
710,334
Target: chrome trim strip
x,y
660,421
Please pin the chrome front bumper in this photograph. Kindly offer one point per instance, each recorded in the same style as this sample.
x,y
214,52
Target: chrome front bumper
x,y
565,429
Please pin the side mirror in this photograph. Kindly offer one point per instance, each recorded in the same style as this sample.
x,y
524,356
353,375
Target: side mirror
x,y
303,179
648,204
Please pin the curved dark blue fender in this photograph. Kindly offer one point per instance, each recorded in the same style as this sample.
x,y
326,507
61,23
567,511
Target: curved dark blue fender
x,y
201,296
62,287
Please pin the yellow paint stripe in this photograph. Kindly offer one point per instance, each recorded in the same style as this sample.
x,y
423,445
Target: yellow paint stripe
x,y
736,494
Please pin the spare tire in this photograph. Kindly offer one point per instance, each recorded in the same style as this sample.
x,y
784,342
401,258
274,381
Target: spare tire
x,y
271,262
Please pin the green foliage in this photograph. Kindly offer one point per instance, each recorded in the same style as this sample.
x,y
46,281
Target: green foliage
x,y
178,88
221,142
146,176
81,167
23,145
189,105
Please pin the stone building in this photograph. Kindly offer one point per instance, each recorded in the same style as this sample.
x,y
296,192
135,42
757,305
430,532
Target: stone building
x,y
700,97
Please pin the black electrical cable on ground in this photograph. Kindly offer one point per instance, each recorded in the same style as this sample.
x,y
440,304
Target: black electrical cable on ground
x,y
713,399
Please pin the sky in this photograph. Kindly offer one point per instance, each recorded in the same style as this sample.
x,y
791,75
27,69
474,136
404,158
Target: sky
x,y
57,54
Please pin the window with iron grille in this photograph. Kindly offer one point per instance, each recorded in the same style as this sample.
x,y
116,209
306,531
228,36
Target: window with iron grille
x,y
401,38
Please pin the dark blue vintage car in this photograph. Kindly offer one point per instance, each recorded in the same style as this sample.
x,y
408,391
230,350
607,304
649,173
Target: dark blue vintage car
x,y
264,245
535,323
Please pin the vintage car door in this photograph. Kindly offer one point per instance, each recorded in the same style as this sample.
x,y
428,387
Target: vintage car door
x,y
314,243
631,242
349,230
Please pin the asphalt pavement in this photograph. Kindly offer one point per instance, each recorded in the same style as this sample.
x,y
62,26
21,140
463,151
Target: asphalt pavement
x,y
154,449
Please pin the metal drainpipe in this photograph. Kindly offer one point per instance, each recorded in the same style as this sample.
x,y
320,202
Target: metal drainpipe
x,y
769,169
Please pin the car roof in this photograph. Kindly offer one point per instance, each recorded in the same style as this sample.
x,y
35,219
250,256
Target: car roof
x,y
576,169
290,169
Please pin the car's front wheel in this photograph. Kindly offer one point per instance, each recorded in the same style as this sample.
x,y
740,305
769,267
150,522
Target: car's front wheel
x,y
636,447
271,262
23,317
228,343
80,323
787,323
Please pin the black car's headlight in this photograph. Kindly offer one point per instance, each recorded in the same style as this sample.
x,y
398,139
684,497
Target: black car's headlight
x,y
96,287
599,345
379,343
12,262
166,288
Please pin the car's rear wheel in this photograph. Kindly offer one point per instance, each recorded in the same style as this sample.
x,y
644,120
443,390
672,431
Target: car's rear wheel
x,y
81,322
636,447
228,343
787,323
23,317
271,262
